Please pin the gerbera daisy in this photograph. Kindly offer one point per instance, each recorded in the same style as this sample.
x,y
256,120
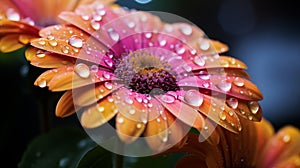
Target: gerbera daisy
x,y
20,20
156,79
258,146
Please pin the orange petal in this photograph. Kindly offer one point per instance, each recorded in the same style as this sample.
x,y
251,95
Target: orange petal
x,y
98,114
44,59
250,110
10,43
182,111
127,129
90,94
230,62
219,112
65,106
284,144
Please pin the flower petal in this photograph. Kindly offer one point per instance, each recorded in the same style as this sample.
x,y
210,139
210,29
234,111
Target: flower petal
x,y
280,147
87,95
46,59
182,111
10,43
191,161
127,129
65,106
98,114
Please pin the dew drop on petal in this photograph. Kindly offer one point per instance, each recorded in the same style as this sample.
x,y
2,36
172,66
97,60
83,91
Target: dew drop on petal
x,y
162,42
108,85
230,113
204,45
222,116
42,42
108,62
11,14
113,34
75,41
94,68
120,120
85,17
168,98
186,30
128,100
224,86
253,106
97,18
204,77
95,25
139,125
232,102
131,24
238,82
100,108
40,54
199,60
193,97
42,83
132,111
53,43
250,117
286,138
148,35
82,70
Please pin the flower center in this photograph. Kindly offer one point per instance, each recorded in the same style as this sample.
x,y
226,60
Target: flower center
x,y
145,73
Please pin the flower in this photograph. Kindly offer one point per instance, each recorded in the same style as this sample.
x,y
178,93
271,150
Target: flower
x,y
20,20
257,146
156,79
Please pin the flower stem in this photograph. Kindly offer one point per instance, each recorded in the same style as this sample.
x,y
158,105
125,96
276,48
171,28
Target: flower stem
x,y
119,160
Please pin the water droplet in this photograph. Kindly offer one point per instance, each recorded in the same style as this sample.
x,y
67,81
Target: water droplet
x,y
94,68
128,100
232,102
75,41
82,70
95,25
224,86
204,45
53,43
42,83
11,14
224,63
179,49
139,125
206,85
230,113
240,128
108,62
131,24
41,42
199,60
194,98
120,120
113,34
168,98
108,85
97,18
222,116
106,75
158,120
101,12
250,117
186,30
65,49
85,17
40,54
204,77
162,42
238,82
100,108
253,106
286,138
132,111
148,35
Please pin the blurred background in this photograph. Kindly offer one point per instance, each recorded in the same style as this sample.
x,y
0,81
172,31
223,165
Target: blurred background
x,y
263,33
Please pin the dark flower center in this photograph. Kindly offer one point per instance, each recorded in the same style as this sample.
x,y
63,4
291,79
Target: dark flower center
x,y
146,74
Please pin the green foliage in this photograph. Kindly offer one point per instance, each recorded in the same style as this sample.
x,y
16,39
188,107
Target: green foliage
x,y
61,147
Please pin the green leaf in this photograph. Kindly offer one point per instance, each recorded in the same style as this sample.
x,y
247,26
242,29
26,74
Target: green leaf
x,y
60,148
95,158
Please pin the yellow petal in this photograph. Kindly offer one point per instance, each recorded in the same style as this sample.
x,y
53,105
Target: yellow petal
x,y
10,43
65,106
98,114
